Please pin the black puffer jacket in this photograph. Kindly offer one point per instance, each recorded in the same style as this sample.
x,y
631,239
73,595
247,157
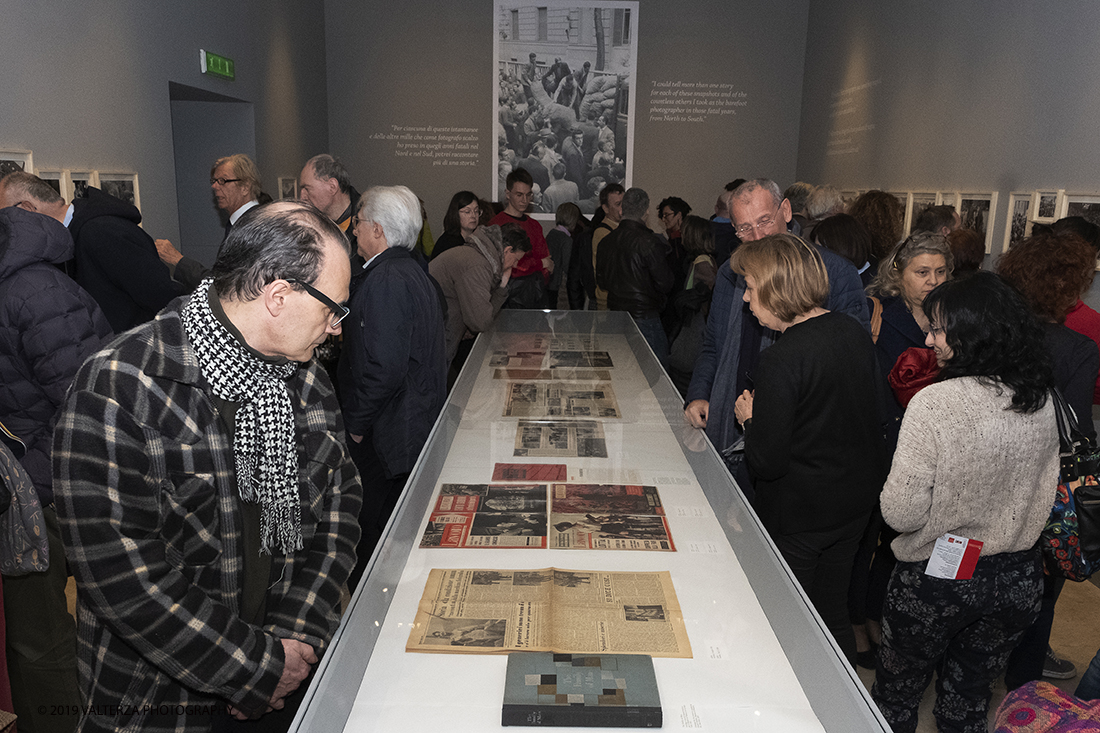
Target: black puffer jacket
x,y
48,326
632,266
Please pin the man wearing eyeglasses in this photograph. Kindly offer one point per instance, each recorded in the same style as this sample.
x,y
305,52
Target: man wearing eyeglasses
x,y
393,366
235,185
734,337
202,486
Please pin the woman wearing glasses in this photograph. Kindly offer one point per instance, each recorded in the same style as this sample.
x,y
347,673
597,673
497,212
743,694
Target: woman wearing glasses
x,y
977,458
459,222
813,431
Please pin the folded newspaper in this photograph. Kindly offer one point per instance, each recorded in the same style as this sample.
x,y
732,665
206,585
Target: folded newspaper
x,y
549,610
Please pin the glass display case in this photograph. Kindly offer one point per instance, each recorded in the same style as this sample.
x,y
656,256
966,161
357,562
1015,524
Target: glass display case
x,y
761,658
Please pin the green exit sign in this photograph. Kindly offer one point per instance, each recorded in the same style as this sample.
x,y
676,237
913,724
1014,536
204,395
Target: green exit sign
x,y
216,65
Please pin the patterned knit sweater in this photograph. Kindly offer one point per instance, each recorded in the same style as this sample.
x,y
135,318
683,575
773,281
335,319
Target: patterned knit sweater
x,y
968,465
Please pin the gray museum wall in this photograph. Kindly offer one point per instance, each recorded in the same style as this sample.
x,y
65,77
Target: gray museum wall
x,y
983,95
86,85
427,64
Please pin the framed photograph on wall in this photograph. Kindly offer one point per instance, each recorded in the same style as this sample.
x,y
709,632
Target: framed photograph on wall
x,y
81,180
918,202
1018,224
1045,205
564,91
948,198
977,211
288,188
122,186
15,160
59,181
1086,205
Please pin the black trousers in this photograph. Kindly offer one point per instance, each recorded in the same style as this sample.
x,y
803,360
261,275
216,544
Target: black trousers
x,y
822,562
380,495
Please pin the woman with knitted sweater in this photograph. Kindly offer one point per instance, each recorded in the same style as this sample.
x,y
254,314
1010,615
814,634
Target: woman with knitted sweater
x,y
977,458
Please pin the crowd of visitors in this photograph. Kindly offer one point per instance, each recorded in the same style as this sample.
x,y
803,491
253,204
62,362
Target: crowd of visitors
x,y
872,391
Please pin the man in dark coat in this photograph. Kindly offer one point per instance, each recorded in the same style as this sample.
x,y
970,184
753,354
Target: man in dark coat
x,y
116,261
632,266
48,326
393,367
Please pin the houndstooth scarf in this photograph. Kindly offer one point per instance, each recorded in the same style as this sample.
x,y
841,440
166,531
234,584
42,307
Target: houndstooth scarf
x,y
263,436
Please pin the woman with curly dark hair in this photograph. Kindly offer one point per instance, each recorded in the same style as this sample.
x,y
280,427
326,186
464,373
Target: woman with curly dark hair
x,y
884,217
976,462
1051,270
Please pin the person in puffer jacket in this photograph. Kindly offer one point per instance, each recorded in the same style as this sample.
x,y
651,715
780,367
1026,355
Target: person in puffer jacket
x,y
48,326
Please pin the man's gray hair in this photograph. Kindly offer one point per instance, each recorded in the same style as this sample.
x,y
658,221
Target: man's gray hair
x,y
325,167
397,210
20,185
824,201
797,193
635,204
746,189
281,240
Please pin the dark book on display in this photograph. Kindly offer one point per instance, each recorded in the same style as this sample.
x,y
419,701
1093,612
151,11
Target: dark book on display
x,y
599,690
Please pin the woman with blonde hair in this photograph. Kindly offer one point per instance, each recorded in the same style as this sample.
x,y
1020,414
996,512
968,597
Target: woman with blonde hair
x,y
813,432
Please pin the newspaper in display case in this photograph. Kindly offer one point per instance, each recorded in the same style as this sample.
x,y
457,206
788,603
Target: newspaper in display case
x,y
580,516
482,515
544,375
560,399
560,439
608,517
527,359
578,359
549,610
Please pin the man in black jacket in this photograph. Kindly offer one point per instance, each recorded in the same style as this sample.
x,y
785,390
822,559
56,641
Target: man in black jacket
x,y
632,266
393,366
116,261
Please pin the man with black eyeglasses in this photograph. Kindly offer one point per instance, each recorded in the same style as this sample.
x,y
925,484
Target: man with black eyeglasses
x,y
734,337
393,365
203,488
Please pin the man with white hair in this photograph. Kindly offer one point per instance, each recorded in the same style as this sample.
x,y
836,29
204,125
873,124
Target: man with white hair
x,y
393,367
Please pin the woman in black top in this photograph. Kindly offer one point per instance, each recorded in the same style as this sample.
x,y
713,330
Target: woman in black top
x,y
813,433
459,222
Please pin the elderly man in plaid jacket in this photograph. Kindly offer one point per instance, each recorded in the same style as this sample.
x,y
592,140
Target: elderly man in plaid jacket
x,y
207,502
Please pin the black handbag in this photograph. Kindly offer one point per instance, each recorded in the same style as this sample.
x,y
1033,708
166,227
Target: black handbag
x,y
1071,537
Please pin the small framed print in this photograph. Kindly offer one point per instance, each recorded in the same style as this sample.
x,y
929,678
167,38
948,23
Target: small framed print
x,y
15,160
122,186
1085,205
288,188
1045,205
59,181
918,202
1018,224
977,211
948,198
81,180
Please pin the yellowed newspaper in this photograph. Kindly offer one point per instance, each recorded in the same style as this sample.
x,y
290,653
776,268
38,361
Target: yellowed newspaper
x,y
560,399
549,610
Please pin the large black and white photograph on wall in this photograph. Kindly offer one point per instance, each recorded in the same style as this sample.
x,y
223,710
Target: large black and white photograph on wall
x,y
564,108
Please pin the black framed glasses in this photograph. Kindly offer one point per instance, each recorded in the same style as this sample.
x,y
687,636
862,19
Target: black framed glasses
x,y
223,181
339,312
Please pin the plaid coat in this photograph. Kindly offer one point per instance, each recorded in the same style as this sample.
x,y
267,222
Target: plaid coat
x,y
150,516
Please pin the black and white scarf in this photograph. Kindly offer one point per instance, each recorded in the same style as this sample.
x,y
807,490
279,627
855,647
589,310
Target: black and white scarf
x,y
263,436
